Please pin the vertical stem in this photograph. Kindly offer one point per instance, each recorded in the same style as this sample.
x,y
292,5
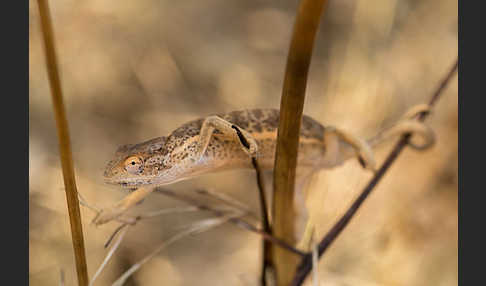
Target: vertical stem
x,y
267,265
291,108
64,144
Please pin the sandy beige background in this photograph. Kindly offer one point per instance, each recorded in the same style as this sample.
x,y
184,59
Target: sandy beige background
x,y
133,70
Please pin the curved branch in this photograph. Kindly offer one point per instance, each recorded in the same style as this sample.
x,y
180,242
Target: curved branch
x,y
306,263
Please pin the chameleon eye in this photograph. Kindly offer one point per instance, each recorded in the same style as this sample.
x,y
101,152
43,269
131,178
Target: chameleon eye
x,y
134,165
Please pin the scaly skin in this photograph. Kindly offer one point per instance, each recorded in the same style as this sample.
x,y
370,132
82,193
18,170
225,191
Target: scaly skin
x,y
172,158
228,141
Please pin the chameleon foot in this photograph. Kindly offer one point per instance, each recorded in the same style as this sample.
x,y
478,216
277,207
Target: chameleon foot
x,y
116,211
106,215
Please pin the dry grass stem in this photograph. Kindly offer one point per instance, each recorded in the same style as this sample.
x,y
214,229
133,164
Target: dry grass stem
x,y
134,219
64,143
110,253
233,215
228,201
236,221
195,228
315,262
115,232
268,269
169,211
291,108
62,277
125,227
262,198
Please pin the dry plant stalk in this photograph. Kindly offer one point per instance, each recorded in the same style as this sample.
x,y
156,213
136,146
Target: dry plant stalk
x,y
64,143
291,108
195,228
232,212
123,228
110,253
306,263
267,264
236,220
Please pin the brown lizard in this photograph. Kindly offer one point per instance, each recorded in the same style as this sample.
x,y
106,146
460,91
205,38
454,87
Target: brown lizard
x,y
228,141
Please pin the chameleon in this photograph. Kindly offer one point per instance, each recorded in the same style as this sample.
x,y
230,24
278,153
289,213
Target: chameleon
x,y
228,141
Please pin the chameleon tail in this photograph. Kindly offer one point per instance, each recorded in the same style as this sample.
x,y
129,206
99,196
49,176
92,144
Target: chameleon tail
x,y
410,126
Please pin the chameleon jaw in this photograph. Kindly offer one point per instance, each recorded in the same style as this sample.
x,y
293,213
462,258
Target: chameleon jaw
x,y
143,181
129,182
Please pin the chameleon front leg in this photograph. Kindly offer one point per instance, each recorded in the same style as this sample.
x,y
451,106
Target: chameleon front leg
x,y
212,123
115,211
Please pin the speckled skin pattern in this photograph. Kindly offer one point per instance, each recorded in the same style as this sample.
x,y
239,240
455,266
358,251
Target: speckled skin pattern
x,y
172,158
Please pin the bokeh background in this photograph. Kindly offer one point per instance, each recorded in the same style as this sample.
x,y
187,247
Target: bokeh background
x,y
134,70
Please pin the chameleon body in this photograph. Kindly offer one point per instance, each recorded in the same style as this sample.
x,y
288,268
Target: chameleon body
x,y
168,159
230,141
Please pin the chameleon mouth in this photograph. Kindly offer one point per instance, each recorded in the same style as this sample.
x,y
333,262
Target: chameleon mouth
x,y
139,181
128,183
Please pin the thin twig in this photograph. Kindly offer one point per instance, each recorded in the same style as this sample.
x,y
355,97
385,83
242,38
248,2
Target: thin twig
x,y
109,254
195,228
306,263
236,221
198,227
168,211
125,226
115,232
135,219
62,277
228,200
267,264
315,260
64,143
282,244
262,197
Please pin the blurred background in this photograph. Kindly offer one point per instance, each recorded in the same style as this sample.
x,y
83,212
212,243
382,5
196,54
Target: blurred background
x,y
134,70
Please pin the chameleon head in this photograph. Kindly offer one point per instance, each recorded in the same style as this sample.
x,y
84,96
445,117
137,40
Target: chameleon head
x,y
137,165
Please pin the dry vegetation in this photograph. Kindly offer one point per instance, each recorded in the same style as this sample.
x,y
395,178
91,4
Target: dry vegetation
x,y
133,70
